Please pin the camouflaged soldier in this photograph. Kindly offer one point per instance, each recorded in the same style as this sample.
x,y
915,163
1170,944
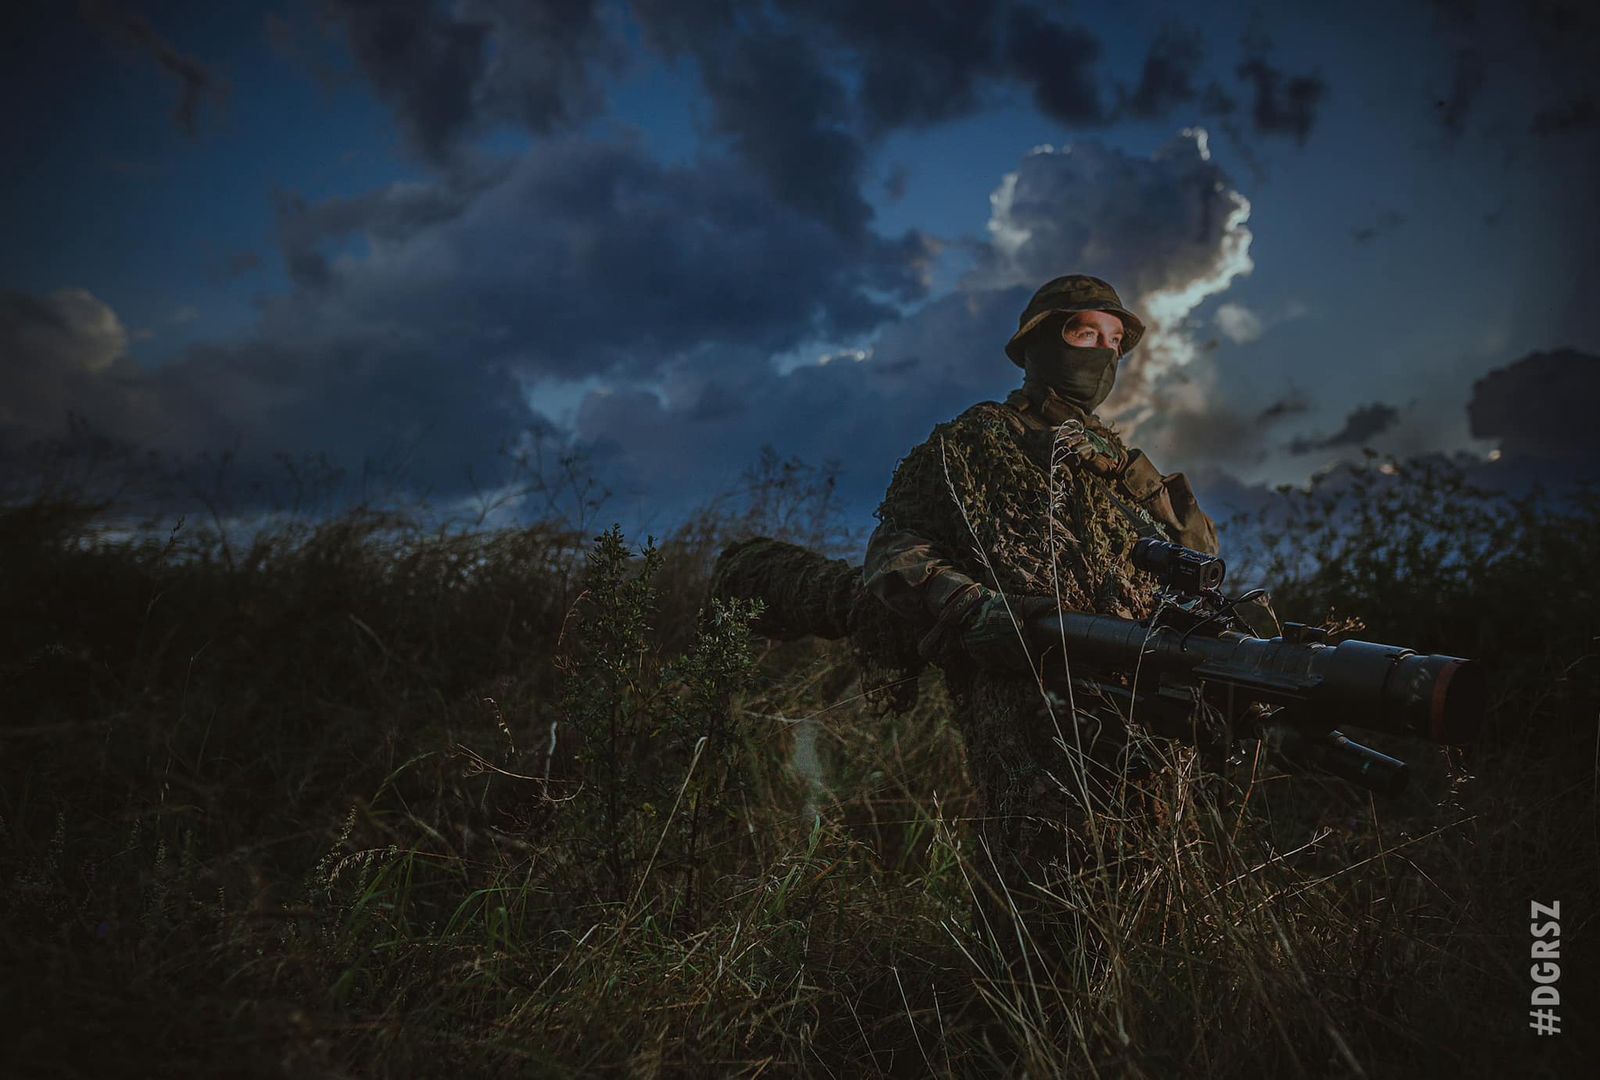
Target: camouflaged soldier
x,y
1018,508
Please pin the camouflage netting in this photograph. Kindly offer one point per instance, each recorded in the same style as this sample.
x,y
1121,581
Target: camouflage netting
x,y
984,495
805,593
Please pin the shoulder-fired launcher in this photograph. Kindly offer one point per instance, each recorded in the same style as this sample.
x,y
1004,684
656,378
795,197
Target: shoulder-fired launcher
x,y
1293,691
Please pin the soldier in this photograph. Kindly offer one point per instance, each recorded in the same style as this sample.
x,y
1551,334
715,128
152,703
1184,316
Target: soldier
x,y
1009,511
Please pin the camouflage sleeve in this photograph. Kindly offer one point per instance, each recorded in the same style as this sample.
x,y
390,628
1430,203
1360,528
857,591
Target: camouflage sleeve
x,y
913,564
910,576
1170,500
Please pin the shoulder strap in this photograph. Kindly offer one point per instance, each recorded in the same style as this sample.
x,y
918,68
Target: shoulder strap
x,y
1019,405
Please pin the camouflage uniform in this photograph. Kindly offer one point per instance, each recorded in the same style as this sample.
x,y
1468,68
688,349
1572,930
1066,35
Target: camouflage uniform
x,y
979,505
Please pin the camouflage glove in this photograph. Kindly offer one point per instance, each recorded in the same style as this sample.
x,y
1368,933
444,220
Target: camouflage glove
x,y
992,628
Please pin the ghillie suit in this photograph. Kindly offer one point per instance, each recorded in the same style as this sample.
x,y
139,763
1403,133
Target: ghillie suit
x,y
993,500
989,500
1035,501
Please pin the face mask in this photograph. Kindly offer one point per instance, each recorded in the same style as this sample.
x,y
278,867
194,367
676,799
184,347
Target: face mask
x,y
1083,377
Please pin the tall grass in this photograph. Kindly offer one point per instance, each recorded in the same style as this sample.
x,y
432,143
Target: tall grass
x,y
356,797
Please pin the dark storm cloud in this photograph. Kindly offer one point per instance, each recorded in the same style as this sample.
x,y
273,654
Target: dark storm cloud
x,y
775,97
425,64
1167,79
391,213
1283,106
772,76
1059,62
584,259
931,65
774,93
444,71
593,258
431,415
544,50
915,70
677,27
196,82
1557,37
1541,406
934,64
425,414
1362,424
387,215
786,115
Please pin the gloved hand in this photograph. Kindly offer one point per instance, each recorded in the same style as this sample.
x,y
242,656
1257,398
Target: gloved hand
x,y
990,629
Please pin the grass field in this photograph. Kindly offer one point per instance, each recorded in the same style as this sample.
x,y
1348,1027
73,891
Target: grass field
x,y
360,798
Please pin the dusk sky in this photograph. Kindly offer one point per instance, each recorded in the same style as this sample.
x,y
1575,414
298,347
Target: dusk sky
x,y
669,233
